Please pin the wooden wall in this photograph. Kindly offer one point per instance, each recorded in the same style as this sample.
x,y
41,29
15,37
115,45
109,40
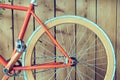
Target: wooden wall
x,y
106,13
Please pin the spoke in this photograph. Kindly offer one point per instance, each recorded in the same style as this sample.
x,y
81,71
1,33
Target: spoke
x,y
100,64
52,58
80,75
52,76
103,57
58,71
62,38
70,41
73,44
47,41
49,75
80,52
46,70
49,57
50,70
84,74
85,53
93,65
52,73
80,38
94,70
83,34
48,51
90,53
42,71
68,75
91,46
42,56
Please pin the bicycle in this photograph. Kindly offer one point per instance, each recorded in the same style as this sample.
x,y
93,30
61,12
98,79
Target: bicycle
x,y
82,47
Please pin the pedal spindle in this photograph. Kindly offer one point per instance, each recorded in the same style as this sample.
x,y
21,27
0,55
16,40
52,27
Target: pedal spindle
x,y
12,73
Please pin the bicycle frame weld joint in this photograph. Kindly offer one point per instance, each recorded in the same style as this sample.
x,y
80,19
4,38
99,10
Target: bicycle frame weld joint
x,y
20,46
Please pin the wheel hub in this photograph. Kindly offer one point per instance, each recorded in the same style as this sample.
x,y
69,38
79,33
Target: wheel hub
x,y
75,62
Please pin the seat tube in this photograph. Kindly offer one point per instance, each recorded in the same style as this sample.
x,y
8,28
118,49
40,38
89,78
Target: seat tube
x,y
26,21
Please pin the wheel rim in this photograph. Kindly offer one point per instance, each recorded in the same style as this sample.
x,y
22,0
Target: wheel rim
x,y
107,43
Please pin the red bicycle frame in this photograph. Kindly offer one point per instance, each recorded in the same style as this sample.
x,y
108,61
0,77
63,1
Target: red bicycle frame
x,y
15,55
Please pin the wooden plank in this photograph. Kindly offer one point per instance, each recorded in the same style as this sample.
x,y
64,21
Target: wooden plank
x,y
5,35
65,36
65,7
106,18
87,9
44,48
44,10
19,17
118,41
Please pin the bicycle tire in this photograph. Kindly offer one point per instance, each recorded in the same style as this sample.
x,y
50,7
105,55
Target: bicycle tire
x,y
88,27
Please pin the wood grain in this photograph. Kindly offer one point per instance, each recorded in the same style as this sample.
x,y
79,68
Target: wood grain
x,y
101,11
118,41
5,35
44,46
87,9
65,34
106,19
18,19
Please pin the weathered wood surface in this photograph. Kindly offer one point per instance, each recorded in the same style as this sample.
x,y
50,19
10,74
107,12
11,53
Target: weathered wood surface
x,y
103,12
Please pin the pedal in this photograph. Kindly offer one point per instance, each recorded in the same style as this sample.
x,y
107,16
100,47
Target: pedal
x,y
12,73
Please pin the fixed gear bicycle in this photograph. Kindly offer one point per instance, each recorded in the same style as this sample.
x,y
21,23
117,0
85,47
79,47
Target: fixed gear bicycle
x,y
63,48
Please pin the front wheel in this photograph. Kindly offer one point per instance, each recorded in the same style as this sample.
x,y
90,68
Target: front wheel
x,y
83,40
